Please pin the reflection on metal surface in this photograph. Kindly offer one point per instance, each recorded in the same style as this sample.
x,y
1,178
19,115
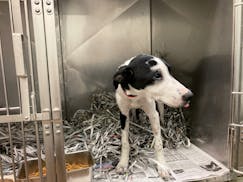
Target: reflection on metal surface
x,y
97,37
194,35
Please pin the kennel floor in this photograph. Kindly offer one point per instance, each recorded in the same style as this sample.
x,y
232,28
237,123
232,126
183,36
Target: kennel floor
x,y
187,164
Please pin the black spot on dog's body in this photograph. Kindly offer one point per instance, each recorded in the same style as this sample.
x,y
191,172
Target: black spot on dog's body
x,y
123,120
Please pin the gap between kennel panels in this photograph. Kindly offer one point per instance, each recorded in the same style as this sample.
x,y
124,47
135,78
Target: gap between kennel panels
x,y
37,85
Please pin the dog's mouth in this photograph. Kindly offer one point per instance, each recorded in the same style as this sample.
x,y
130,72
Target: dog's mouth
x,y
186,104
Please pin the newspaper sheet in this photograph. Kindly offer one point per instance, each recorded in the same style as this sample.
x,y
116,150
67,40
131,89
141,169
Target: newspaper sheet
x,y
187,164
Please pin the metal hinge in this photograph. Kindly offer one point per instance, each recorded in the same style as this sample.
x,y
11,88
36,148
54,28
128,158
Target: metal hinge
x,y
241,134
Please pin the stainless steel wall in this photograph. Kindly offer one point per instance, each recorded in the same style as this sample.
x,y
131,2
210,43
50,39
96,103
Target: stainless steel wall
x,y
195,36
97,36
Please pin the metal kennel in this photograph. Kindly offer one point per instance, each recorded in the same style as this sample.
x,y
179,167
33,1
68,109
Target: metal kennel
x,y
30,86
54,54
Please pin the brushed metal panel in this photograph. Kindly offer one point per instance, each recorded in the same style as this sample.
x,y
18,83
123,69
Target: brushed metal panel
x,y
96,38
196,37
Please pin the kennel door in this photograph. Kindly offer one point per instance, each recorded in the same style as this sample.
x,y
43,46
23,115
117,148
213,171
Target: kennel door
x,y
236,125
30,90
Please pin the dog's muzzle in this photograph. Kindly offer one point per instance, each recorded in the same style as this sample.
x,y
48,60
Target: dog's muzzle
x,y
186,99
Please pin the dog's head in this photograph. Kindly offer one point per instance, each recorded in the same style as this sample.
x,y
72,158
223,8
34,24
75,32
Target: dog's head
x,y
149,76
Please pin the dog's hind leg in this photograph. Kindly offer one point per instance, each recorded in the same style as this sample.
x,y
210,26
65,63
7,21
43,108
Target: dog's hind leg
x,y
123,164
150,109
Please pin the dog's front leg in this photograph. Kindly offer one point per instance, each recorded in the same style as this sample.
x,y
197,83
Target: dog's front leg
x,y
152,113
123,164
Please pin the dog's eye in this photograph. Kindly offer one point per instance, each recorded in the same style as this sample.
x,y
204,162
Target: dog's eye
x,y
157,75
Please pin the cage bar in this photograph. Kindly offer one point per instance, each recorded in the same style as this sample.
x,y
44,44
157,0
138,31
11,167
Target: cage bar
x,y
4,80
55,92
42,72
237,92
38,150
1,169
24,149
11,150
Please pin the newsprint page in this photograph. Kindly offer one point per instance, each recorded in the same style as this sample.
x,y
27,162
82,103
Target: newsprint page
x,y
187,164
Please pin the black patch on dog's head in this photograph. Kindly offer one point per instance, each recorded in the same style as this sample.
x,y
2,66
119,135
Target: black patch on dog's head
x,y
123,76
137,73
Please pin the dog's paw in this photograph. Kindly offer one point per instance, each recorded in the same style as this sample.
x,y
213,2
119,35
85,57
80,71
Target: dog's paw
x,y
121,168
164,172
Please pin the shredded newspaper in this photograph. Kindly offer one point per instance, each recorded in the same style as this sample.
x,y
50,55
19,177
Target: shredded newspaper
x,y
98,130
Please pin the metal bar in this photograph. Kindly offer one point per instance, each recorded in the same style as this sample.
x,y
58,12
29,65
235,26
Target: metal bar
x,y
1,169
51,44
230,145
38,150
236,125
54,78
41,57
11,17
25,154
237,171
237,93
238,4
19,94
236,86
10,118
11,150
49,151
18,118
18,52
9,109
151,25
21,73
4,78
33,100
16,16
59,148
17,32
42,72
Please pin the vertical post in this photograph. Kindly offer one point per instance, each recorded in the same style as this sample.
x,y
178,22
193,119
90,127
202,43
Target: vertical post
x,y
33,95
17,33
1,169
43,81
4,79
22,79
237,88
55,91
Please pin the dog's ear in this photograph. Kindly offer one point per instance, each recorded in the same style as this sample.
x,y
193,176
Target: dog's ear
x,y
122,76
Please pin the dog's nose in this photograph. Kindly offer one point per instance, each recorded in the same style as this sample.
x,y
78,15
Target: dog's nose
x,y
186,97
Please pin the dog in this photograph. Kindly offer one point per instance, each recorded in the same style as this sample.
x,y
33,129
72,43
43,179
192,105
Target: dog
x,y
140,83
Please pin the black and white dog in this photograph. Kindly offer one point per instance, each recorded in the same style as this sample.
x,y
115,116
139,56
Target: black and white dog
x,y
139,83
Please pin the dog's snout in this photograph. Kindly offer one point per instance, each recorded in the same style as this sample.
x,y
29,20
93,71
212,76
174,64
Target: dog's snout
x,y
186,97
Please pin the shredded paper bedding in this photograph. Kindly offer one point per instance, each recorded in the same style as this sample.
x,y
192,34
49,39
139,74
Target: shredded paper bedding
x,y
98,130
